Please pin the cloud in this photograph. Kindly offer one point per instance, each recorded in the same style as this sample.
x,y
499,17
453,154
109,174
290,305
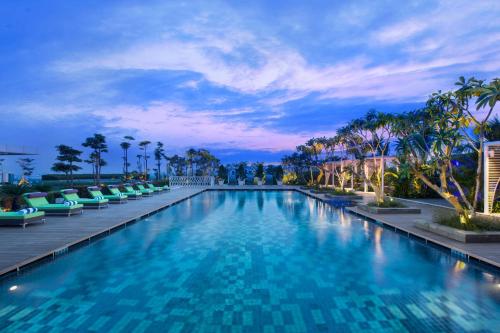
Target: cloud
x,y
181,127
399,32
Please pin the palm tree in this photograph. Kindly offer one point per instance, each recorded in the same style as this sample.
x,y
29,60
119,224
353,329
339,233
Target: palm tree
x,y
159,153
125,145
144,146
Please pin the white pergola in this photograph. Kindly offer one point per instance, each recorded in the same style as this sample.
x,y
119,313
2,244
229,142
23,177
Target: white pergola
x,y
491,174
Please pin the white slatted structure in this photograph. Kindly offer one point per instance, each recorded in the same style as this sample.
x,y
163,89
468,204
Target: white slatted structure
x,y
191,181
491,173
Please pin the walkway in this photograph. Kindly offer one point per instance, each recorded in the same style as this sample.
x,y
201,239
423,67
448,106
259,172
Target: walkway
x,y
19,247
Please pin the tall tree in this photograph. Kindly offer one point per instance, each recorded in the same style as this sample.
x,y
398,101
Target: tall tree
x,y
427,140
26,165
190,157
144,147
98,145
487,95
158,153
370,137
125,145
67,158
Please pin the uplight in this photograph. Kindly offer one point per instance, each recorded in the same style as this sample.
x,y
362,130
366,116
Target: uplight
x,y
13,288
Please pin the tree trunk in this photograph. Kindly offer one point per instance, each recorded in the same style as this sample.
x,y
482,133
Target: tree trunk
x,y
457,205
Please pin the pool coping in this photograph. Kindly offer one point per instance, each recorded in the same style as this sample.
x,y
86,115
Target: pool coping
x,y
25,265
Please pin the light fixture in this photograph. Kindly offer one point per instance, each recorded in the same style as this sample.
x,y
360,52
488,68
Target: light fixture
x,y
12,288
491,153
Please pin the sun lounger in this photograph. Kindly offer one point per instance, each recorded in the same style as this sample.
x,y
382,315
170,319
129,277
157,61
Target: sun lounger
x,y
95,192
131,193
115,189
72,195
21,217
154,188
38,200
145,191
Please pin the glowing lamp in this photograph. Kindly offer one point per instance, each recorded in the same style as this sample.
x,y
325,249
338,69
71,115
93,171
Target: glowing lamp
x,y
491,153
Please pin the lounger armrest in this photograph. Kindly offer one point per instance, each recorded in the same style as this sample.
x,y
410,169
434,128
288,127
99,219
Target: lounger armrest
x,y
69,191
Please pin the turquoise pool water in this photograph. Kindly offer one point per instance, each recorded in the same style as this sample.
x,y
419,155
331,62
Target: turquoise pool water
x,y
253,262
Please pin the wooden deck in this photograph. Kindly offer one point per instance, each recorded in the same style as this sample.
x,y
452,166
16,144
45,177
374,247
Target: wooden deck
x,y
22,247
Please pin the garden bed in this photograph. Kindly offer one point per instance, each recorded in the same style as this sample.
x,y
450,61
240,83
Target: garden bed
x,y
344,196
373,209
464,236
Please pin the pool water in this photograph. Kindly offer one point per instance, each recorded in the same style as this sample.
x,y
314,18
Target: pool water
x,y
253,261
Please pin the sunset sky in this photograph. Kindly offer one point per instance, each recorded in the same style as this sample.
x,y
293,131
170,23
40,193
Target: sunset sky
x,y
246,81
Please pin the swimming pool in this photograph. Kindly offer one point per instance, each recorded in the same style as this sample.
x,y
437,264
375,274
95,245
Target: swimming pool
x,y
253,261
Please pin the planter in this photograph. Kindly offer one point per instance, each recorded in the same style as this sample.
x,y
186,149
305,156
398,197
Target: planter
x,y
259,182
279,182
460,235
221,182
344,197
241,182
391,210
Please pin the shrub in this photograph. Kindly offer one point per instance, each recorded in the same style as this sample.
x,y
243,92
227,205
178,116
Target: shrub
x,y
386,204
477,223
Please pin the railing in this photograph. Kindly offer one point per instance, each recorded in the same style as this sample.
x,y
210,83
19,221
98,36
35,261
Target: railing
x,y
191,181
17,150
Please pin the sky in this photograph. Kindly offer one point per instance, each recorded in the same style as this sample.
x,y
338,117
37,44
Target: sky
x,y
248,80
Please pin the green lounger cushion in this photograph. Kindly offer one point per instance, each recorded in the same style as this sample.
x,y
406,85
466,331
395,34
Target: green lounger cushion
x,y
143,189
96,192
38,200
72,195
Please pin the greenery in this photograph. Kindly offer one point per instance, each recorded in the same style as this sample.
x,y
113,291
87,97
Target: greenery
x,y
386,204
159,153
125,145
222,173
241,171
98,145
26,165
144,147
439,148
67,158
476,223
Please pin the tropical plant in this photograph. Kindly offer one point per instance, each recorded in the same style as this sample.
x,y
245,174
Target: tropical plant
x,y
493,130
144,147
241,171
278,172
67,158
369,137
259,171
98,145
487,95
158,154
427,140
125,145
26,165
190,157
222,173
